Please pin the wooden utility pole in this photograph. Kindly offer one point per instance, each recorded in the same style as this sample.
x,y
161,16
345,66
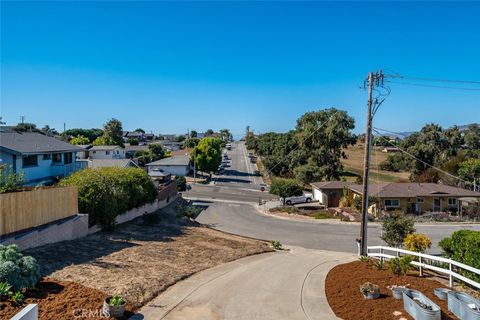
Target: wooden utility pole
x,y
366,168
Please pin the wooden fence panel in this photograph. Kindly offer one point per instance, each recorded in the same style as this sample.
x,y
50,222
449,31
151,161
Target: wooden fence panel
x,y
23,210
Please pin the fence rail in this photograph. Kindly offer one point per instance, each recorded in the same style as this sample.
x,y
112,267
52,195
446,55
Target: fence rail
x,y
27,209
422,263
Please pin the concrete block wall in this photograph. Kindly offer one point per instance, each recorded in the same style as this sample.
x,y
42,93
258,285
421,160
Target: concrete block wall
x,y
69,229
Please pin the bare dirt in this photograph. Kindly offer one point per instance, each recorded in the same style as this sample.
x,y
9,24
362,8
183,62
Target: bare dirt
x,y
138,260
347,302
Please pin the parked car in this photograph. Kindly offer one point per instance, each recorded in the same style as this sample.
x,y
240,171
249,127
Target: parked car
x,y
256,172
305,198
250,154
228,146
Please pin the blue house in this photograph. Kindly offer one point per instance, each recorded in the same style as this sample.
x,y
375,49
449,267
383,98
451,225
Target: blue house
x,y
42,159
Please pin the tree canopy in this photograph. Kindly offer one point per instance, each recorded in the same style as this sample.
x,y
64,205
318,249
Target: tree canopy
x,y
207,155
78,140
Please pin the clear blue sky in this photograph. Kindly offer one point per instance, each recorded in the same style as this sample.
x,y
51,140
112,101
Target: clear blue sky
x,y
167,67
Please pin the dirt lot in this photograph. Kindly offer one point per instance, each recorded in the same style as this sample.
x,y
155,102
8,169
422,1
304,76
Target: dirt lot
x,y
139,259
343,294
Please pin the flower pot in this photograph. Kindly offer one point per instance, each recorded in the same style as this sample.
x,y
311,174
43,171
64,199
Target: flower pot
x,y
371,295
441,293
113,311
415,310
397,292
464,306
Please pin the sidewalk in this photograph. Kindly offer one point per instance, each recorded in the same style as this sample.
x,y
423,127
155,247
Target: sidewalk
x,y
281,285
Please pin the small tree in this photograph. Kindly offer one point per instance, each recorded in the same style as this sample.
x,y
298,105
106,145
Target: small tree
x,y
181,183
285,188
395,228
207,154
133,141
9,180
79,140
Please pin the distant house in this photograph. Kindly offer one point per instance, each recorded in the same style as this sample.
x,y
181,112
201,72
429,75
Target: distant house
x,y
42,159
169,137
105,163
390,149
140,136
329,193
86,151
176,165
130,151
171,145
106,152
160,176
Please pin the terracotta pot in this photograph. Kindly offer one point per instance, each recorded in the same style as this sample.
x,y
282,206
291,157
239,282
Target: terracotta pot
x,y
113,311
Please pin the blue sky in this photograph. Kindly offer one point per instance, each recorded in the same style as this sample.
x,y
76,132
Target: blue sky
x,y
167,67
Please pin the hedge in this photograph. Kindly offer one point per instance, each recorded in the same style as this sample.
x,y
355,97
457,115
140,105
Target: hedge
x,y
464,247
104,193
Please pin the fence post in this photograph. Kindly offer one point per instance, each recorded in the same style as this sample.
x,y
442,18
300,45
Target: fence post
x,y
450,276
421,268
381,252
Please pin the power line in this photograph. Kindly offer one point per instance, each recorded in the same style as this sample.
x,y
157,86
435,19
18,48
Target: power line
x,y
432,86
418,159
440,80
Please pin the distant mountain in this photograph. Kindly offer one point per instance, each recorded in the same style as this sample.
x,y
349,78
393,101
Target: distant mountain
x,y
403,135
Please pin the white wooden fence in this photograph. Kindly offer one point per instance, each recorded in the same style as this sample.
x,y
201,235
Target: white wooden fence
x,y
425,261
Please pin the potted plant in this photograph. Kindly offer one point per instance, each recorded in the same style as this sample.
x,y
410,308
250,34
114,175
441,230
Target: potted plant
x,y
114,306
370,290
397,291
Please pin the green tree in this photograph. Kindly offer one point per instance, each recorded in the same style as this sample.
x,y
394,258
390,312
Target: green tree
x,y
103,141
139,130
113,131
9,180
323,135
91,134
133,141
78,140
472,137
208,132
46,130
155,152
27,127
225,134
469,169
207,155
180,138
193,134
395,228
191,142
181,183
285,188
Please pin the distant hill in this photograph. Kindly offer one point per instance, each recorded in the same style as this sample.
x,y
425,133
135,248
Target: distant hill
x,y
403,135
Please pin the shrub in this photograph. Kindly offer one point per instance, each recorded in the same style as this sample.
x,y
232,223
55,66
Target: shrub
x,y
17,270
399,266
379,264
17,298
104,193
369,287
4,290
464,247
181,183
395,228
276,245
9,180
417,242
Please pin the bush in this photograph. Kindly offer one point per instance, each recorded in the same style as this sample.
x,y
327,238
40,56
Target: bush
x,y
9,180
399,266
395,228
104,193
276,245
464,247
417,242
181,183
17,270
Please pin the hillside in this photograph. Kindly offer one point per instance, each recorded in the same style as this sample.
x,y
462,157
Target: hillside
x,y
354,165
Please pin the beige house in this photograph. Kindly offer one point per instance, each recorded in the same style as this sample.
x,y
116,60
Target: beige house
x,y
417,197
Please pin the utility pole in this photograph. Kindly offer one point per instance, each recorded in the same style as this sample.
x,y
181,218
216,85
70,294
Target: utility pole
x,y
374,79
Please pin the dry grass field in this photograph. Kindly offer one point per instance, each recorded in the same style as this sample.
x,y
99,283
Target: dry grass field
x,y
354,164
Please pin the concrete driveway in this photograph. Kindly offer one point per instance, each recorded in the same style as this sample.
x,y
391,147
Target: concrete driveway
x,y
280,285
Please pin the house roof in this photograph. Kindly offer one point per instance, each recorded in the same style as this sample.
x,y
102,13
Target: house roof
x,y
102,163
171,161
158,173
32,143
330,184
413,189
96,148
136,148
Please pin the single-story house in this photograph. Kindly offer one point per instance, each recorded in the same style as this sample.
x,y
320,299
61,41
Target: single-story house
x,y
86,151
171,145
105,163
390,149
329,193
176,165
106,152
159,176
42,159
416,197
139,136
169,137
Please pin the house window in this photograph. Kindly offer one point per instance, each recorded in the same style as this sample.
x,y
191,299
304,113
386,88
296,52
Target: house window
x,y
107,152
419,200
67,158
47,157
452,201
94,151
30,161
57,158
392,203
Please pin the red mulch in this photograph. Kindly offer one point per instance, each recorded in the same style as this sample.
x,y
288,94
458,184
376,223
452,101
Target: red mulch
x,y
343,292
62,300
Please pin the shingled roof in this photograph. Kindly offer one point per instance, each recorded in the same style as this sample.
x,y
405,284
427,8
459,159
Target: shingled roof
x,y
330,184
25,143
413,189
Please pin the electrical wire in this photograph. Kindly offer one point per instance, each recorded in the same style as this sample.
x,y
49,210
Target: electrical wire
x,y
440,80
432,86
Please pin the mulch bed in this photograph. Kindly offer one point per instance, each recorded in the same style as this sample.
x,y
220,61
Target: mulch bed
x,y
62,300
347,302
